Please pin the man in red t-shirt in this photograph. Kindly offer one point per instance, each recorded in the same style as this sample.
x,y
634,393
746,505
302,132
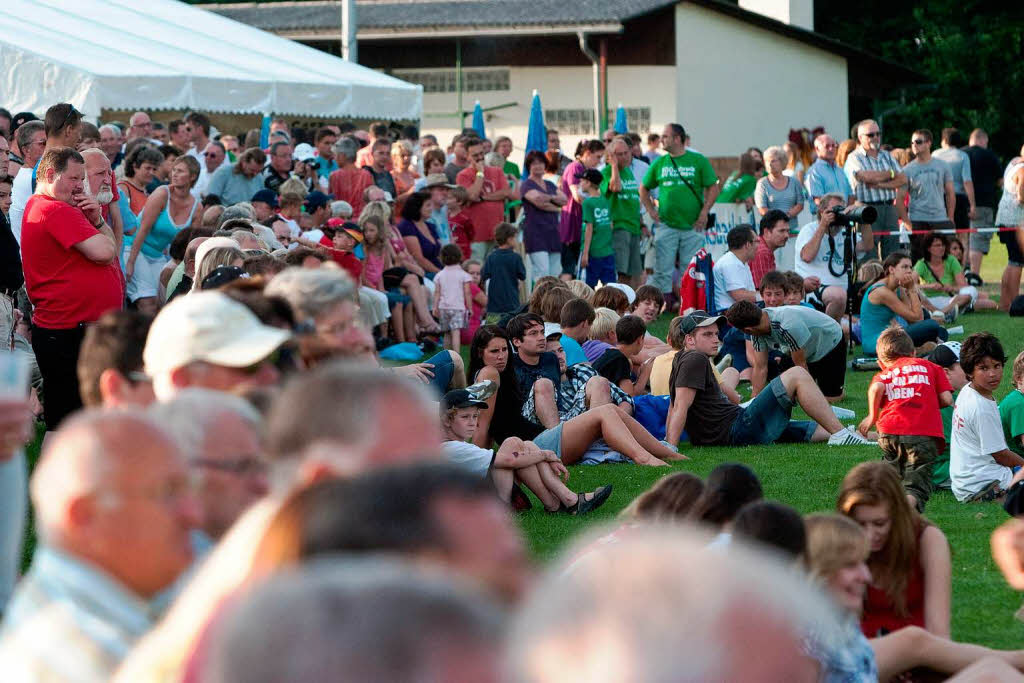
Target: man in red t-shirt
x,y
774,235
71,273
904,399
349,182
488,189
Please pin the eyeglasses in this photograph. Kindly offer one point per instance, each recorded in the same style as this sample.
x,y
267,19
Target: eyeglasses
x,y
71,112
873,134
919,141
209,154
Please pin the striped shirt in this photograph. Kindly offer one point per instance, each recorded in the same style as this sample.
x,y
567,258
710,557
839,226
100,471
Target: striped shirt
x,y
858,160
799,328
825,178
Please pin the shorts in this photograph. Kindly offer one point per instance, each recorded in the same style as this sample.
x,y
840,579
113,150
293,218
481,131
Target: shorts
x,y
829,371
914,459
454,318
443,370
601,268
1014,255
984,217
145,278
396,297
392,277
628,261
550,439
766,420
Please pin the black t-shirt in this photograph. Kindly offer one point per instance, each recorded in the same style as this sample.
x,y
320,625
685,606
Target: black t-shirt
x,y
383,180
508,417
526,374
614,366
272,180
11,276
711,414
985,172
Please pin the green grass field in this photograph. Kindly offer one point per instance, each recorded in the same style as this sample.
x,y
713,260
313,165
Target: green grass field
x,y
808,477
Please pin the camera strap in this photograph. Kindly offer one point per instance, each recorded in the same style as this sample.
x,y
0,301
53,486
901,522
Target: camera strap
x,y
700,197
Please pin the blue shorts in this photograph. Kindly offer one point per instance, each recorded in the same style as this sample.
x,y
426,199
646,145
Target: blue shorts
x,y
601,268
766,420
443,370
396,297
550,440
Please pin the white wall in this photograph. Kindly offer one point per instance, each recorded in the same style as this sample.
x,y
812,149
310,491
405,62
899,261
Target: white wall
x,y
740,85
560,88
795,12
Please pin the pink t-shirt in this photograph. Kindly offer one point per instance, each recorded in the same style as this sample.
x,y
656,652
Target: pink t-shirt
x,y
450,281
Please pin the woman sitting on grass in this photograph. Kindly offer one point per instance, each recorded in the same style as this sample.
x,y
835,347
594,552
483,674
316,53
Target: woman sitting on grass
x,y
909,557
837,552
669,500
728,488
893,295
502,418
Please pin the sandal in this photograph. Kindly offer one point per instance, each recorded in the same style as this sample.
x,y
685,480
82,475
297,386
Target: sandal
x,y
520,502
989,493
583,505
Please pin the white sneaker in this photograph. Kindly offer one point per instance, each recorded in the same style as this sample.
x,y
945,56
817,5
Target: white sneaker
x,y
847,437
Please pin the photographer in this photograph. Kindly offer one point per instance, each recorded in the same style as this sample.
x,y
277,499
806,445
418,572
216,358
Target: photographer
x,y
822,261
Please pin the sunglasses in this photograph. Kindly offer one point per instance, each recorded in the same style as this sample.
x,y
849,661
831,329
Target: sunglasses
x,y
919,141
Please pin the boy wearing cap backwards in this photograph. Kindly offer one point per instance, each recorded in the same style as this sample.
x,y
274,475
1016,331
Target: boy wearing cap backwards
x,y
538,470
904,399
980,464
947,356
698,405
597,255
1011,409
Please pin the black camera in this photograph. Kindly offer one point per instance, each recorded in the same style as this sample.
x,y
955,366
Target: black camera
x,y
315,165
855,214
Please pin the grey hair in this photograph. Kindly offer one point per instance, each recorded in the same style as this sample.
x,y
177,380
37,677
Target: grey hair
x,y
112,128
824,199
240,210
335,619
195,412
341,209
346,147
775,151
312,292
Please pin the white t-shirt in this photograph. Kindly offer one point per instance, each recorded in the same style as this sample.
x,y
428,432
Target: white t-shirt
x,y
730,274
468,456
20,192
818,267
977,433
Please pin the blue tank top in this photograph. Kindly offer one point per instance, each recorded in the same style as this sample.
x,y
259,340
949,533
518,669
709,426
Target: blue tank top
x,y
164,229
874,318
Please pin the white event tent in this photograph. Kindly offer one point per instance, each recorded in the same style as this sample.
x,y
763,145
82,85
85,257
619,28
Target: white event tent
x,y
163,54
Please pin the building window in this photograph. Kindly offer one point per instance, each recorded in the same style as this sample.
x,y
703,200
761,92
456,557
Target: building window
x,y
581,121
443,80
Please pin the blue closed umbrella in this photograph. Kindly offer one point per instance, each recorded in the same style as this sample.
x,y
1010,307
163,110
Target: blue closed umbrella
x,y
536,134
478,120
620,121
265,131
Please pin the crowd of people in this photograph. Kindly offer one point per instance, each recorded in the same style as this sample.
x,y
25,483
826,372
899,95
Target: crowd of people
x,y
234,468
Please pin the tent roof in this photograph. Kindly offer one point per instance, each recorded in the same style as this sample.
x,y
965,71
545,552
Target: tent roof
x,y
164,54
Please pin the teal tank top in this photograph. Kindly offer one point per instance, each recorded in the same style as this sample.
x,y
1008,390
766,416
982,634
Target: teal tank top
x,y
873,320
164,229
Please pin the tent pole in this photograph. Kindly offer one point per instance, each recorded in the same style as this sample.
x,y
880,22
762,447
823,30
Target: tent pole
x,y
604,85
458,82
349,47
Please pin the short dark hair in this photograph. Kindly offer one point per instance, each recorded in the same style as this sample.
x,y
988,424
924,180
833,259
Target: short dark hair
x,y
649,293
575,312
794,282
504,232
611,297
770,219
630,328
6,179
379,129
677,129
296,256
60,116
727,489
774,279
451,254
57,159
90,131
413,208
143,154
977,347
772,524
739,236
534,156
174,125
169,150
893,343
743,314
517,326
262,264
653,138
923,132
323,132
278,145
952,137
114,342
198,119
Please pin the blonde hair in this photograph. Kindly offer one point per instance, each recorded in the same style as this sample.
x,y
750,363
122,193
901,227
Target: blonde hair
x,y
604,323
670,499
293,186
213,259
676,338
869,270
378,209
833,542
1018,369
581,290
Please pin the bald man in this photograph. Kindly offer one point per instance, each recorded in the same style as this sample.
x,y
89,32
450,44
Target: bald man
x,y
825,176
113,513
140,126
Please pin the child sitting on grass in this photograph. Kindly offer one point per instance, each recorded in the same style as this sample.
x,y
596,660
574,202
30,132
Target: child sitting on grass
x,y
1011,409
947,356
614,364
795,289
775,288
904,399
452,298
980,464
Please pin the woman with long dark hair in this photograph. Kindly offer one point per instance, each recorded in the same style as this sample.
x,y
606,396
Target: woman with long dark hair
x,y
728,488
419,234
895,294
943,280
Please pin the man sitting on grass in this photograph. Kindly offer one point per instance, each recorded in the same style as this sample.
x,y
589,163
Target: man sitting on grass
x,y
699,406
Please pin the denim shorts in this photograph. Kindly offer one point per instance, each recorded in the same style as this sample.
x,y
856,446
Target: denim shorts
x,y
443,370
550,440
766,420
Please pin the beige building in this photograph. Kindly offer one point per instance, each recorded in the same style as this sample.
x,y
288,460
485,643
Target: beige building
x,y
734,75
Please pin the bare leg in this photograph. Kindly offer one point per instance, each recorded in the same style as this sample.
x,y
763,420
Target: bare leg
x,y
544,402
730,378
458,372
800,385
503,480
419,299
974,258
987,670
648,442
531,478
409,322
912,646
398,322
602,422
834,299
1009,286
598,392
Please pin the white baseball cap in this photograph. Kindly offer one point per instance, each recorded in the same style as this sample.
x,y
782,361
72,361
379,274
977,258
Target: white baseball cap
x,y
625,289
211,327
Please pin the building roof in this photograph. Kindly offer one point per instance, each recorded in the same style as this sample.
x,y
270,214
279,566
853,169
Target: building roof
x,y
394,19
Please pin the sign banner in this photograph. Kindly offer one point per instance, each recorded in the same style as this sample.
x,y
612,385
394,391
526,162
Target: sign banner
x,y
728,216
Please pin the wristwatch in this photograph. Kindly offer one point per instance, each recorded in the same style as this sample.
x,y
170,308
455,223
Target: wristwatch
x,y
479,174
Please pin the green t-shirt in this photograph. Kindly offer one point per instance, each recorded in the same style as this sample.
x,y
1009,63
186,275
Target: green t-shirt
x,y
940,472
949,272
1011,412
678,205
737,188
596,211
625,204
511,169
